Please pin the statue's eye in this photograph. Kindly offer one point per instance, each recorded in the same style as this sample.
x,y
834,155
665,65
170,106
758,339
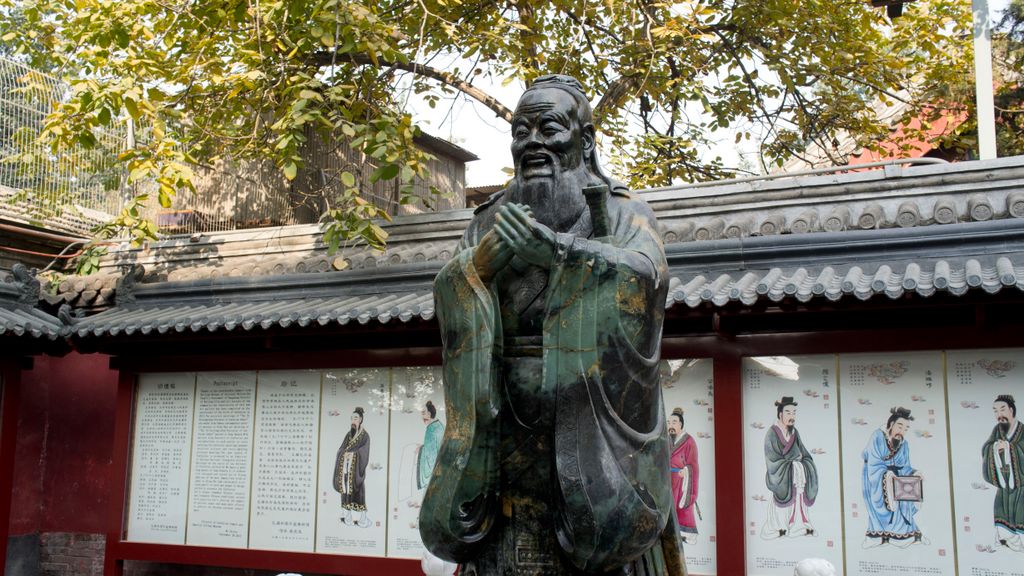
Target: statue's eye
x,y
520,132
552,128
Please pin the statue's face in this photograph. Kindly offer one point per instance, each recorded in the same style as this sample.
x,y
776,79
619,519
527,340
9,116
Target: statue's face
x,y
546,135
357,420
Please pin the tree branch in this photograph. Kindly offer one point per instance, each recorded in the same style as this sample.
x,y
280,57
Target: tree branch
x,y
499,109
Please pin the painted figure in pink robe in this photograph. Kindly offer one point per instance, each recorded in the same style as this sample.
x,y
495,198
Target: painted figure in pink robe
x,y
685,475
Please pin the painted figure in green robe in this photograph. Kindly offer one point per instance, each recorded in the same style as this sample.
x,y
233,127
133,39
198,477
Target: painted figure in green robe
x,y
427,455
1003,455
555,456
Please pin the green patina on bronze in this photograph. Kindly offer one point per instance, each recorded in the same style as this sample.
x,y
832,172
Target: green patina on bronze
x,y
555,457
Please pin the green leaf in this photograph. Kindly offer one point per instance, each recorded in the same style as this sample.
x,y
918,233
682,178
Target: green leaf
x,y
290,170
348,179
386,172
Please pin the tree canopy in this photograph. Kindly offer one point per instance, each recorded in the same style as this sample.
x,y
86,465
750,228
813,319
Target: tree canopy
x,y
251,78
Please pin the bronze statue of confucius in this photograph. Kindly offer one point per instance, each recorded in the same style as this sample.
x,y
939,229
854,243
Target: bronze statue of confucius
x,y
555,460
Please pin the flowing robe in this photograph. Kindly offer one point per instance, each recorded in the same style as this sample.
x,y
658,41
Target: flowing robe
x,y
782,456
684,494
350,470
428,453
887,517
792,478
1003,470
555,455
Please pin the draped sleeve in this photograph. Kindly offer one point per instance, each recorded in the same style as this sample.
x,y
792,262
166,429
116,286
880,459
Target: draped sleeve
x,y
460,504
602,332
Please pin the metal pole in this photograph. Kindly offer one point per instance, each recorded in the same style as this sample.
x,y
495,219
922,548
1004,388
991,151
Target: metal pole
x,y
983,80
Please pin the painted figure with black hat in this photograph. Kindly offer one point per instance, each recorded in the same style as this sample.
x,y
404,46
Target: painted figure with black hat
x,y
890,508
792,476
1003,455
350,471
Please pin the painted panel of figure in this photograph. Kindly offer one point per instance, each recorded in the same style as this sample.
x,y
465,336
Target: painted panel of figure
x,y
896,475
792,498
417,426
987,443
352,494
688,390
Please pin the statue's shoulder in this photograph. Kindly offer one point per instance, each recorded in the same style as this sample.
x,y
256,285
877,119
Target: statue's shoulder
x,y
620,189
491,201
624,199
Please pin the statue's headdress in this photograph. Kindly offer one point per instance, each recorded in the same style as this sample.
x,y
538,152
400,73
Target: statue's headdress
x,y
358,410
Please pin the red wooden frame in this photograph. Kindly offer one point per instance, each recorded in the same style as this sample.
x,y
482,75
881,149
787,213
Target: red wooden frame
x,y
11,372
726,352
117,551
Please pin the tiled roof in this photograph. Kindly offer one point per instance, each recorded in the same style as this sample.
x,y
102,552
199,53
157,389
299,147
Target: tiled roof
x,y
18,313
893,198
283,278
987,256
244,304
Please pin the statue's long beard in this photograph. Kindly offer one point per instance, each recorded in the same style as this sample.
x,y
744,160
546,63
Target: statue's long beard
x,y
896,441
556,200
1004,427
672,436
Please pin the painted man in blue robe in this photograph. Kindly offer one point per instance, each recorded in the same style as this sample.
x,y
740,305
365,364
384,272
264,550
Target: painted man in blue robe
x,y
555,459
886,460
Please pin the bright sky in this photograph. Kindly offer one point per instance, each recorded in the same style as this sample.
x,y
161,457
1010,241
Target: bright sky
x,y
473,126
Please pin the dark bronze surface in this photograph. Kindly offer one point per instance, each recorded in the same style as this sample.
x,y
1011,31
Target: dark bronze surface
x,y
555,457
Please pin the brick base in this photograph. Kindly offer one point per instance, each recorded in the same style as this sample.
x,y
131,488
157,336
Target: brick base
x,y
71,554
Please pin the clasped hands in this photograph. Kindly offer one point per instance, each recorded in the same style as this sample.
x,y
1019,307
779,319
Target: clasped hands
x,y
515,233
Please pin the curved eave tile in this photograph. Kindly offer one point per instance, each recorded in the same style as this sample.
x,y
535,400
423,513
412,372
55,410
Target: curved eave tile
x,y
804,284
249,316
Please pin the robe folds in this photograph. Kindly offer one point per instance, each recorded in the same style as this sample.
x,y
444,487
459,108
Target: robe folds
x,y
887,517
684,457
1003,470
350,473
605,500
780,455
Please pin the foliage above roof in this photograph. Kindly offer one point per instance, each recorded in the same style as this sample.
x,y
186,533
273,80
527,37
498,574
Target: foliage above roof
x,y
206,80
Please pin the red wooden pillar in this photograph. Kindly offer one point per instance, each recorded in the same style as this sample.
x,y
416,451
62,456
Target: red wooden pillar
x,y
10,373
731,550
113,565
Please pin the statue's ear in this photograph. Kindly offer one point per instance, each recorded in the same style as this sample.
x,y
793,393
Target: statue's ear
x,y
588,139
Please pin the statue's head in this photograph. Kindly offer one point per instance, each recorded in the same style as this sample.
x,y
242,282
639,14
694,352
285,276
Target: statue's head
x,y
552,128
553,146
